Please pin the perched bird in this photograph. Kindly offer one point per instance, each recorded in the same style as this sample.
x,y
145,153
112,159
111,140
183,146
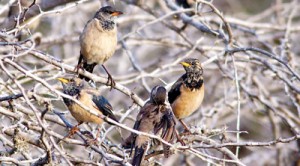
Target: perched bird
x,y
91,98
98,41
155,117
187,93
186,4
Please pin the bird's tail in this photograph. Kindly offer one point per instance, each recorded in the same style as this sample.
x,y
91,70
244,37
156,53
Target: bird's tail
x,y
85,66
138,156
129,141
89,67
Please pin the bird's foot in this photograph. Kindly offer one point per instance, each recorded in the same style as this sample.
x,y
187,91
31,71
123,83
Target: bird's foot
x,y
186,132
72,131
92,141
179,139
111,81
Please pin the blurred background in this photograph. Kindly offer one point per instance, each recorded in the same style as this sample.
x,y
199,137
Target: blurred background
x,y
251,91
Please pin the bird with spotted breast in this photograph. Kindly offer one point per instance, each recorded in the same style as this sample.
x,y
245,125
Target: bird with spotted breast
x,y
91,98
155,117
98,41
187,93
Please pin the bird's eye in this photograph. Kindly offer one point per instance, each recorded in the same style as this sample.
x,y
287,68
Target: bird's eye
x,y
109,12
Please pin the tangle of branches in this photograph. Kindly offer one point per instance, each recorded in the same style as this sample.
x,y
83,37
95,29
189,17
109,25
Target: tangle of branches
x,y
250,56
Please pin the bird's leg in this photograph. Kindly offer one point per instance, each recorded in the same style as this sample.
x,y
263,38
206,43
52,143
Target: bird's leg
x,y
80,63
186,128
94,141
98,132
110,79
77,67
178,138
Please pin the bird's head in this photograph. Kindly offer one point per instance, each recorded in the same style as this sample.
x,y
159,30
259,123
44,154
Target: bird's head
x,y
107,13
192,65
71,86
158,95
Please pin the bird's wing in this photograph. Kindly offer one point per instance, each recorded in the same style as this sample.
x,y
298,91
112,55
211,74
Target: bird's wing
x,y
175,89
167,127
148,117
169,123
145,122
130,141
103,105
168,132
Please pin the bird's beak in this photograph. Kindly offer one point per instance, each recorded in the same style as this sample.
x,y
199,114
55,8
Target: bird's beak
x,y
63,80
185,64
116,13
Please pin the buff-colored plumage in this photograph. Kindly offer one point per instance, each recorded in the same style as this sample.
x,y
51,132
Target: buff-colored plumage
x,y
80,114
97,44
188,102
89,97
98,40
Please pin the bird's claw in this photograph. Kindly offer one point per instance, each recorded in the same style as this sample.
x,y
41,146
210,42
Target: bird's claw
x,y
72,131
111,81
187,132
181,141
92,141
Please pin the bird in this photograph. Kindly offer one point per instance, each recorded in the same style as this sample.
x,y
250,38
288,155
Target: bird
x,y
90,98
186,4
155,117
187,93
98,41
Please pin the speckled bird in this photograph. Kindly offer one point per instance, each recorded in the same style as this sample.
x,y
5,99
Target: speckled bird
x,y
187,93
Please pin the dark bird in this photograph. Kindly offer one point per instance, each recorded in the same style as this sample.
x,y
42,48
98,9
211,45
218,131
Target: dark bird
x,y
155,117
98,41
187,92
186,4
89,97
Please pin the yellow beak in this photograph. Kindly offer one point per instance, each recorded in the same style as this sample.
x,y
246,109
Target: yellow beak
x,y
63,80
185,64
116,13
